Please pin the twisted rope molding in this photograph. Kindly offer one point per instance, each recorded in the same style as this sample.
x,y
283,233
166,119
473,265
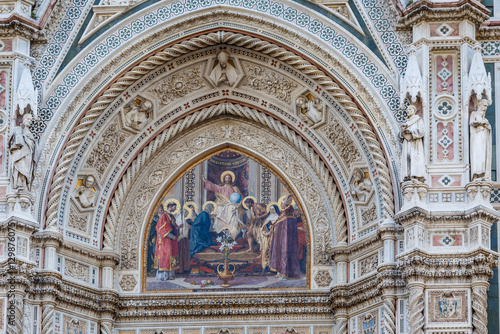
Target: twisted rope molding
x,y
389,316
143,158
47,319
416,302
193,44
479,310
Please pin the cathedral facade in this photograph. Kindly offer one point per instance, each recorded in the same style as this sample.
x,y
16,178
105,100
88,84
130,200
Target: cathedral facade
x,y
249,166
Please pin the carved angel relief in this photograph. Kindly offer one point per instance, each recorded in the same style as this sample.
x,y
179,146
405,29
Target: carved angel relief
x,y
137,113
309,109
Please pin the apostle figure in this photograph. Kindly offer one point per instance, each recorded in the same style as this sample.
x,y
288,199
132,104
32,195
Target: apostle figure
x,y
412,133
166,248
284,243
199,239
22,150
480,142
223,72
85,194
228,206
258,211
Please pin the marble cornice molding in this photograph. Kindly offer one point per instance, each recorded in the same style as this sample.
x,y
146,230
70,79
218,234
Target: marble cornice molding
x,y
48,238
427,10
16,25
352,294
342,252
160,307
21,223
419,265
78,251
479,212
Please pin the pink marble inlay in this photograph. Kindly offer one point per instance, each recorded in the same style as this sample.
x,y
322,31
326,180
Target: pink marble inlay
x,y
445,145
3,87
444,74
447,240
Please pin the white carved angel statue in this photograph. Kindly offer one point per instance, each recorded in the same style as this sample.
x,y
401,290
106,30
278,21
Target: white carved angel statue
x,y
480,142
413,157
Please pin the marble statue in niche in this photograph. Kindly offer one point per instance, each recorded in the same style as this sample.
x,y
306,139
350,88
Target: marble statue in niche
x,y
138,113
360,186
412,136
224,73
480,143
85,193
22,149
310,110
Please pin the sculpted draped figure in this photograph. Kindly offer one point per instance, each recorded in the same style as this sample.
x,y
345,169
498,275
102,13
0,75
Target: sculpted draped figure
x,y
224,72
22,149
413,157
480,142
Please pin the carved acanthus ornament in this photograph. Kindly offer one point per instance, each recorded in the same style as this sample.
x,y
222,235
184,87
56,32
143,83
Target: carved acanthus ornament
x,y
179,85
260,78
106,148
342,142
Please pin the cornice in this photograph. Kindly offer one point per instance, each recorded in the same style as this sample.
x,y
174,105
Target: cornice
x,y
421,265
478,212
19,223
17,25
427,10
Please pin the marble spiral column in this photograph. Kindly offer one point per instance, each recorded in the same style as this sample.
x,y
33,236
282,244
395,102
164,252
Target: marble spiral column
x,y
479,307
48,316
416,307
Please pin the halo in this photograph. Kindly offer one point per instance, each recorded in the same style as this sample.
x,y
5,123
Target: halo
x,y
170,200
244,199
282,198
228,172
210,202
268,208
185,207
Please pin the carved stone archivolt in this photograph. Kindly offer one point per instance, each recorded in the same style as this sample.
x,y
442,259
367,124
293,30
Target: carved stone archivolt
x,y
211,39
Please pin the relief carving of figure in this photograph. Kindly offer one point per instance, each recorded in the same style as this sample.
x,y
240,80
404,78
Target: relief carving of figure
x,y
480,142
85,194
310,109
413,157
22,149
138,113
360,186
224,72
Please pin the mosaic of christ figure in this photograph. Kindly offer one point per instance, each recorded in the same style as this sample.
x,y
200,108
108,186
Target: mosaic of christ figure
x,y
232,209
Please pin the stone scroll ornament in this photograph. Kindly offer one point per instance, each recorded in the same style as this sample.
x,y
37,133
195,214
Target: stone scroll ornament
x,y
480,143
412,136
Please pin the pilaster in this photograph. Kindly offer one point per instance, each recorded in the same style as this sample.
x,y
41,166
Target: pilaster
x,y
446,216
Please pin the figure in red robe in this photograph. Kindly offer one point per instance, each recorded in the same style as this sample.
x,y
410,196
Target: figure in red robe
x,y
166,248
284,243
